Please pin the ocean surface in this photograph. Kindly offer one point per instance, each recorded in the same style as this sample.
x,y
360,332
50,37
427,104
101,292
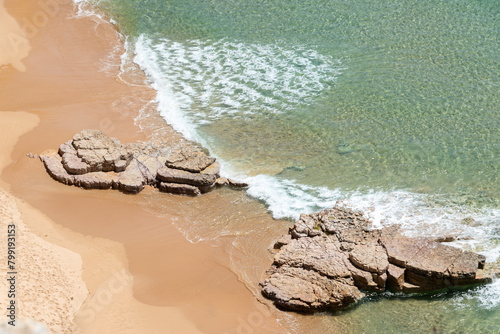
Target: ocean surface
x,y
392,107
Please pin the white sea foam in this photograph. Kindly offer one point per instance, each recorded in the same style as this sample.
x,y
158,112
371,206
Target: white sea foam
x,y
486,296
418,214
201,81
168,104
212,79
109,63
86,8
288,199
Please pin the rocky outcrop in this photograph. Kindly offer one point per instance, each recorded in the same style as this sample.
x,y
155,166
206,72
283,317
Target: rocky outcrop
x,y
93,151
95,180
329,258
92,160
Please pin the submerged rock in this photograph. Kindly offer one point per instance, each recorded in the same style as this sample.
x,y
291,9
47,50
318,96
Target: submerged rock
x,y
93,160
182,189
236,184
328,259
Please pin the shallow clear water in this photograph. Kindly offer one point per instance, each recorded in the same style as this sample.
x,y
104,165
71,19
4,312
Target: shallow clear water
x,y
392,106
356,94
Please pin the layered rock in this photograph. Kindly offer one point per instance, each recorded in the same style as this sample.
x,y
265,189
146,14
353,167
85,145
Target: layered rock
x,y
189,161
93,151
166,174
93,160
329,258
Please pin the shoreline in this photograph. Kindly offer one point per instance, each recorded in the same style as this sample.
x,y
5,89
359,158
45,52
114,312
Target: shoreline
x,y
149,262
132,283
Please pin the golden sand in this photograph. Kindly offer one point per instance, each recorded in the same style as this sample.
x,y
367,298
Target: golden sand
x,y
101,261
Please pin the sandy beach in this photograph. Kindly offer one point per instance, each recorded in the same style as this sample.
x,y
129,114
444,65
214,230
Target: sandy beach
x,y
390,109
102,261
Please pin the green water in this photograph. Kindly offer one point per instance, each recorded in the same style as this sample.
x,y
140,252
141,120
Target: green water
x,y
350,95
417,105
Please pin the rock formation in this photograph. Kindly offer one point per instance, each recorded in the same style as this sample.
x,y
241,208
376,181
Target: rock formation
x,y
329,258
92,160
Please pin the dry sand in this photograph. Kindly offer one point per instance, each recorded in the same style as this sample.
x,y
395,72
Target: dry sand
x,y
51,289
49,286
101,261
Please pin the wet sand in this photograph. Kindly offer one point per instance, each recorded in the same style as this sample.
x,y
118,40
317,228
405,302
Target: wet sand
x,y
141,272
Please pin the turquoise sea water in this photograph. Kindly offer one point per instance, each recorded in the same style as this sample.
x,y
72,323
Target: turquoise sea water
x,y
393,106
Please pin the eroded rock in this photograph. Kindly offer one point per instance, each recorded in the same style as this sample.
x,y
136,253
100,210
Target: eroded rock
x,y
282,241
370,257
193,162
236,184
94,180
73,164
93,160
100,152
299,289
182,189
53,165
330,256
213,169
132,180
396,277
166,174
